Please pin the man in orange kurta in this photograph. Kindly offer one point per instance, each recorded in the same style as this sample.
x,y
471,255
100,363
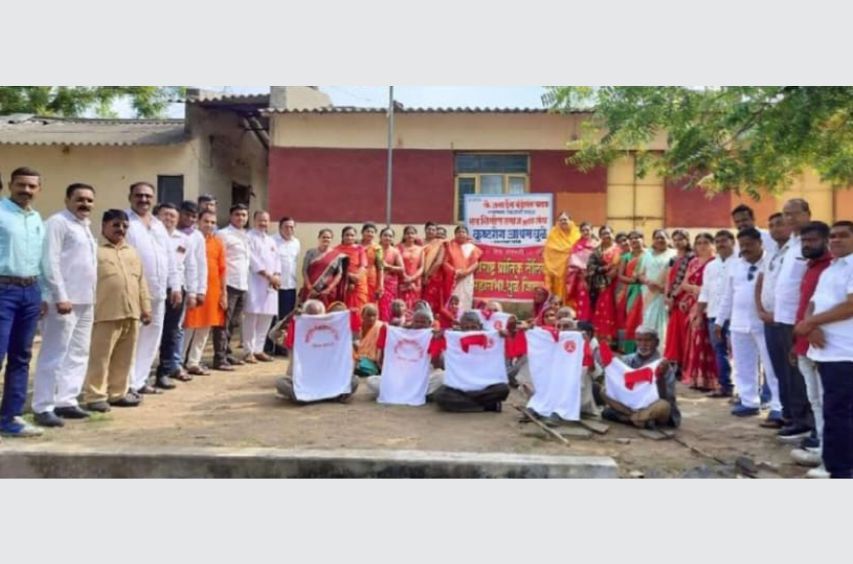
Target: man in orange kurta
x,y
210,313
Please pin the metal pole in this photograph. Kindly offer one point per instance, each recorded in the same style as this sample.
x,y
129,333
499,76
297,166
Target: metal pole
x,y
388,185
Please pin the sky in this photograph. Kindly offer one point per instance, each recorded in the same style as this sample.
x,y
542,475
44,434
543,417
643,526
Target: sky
x,y
412,96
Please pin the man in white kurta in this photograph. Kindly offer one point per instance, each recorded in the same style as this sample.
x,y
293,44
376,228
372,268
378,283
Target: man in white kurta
x,y
70,265
264,282
738,307
151,240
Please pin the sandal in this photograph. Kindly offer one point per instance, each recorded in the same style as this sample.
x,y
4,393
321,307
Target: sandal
x,y
197,371
182,376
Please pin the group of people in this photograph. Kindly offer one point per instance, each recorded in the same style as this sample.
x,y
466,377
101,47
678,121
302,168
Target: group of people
x,y
130,315
766,315
362,270
774,304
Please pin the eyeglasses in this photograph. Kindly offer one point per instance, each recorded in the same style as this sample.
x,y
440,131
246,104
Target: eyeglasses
x,y
751,275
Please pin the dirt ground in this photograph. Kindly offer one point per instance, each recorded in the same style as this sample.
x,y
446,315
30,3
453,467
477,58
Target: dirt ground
x,y
240,409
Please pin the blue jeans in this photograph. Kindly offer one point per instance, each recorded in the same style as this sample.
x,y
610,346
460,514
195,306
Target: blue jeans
x,y
724,367
20,308
837,380
171,343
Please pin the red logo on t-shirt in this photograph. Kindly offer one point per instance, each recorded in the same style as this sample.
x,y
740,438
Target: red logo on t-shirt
x,y
498,325
409,350
570,347
322,336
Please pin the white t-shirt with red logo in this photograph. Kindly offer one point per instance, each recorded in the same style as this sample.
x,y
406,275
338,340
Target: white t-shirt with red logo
x,y
556,369
405,366
474,360
322,356
494,321
635,388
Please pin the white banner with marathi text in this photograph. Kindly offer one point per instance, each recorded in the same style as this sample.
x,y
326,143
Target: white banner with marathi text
x,y
511,231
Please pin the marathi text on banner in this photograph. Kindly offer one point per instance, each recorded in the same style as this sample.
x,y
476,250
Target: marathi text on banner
x,y
511,231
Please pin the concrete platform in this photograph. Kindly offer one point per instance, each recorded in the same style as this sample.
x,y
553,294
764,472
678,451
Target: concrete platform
x,y
65,461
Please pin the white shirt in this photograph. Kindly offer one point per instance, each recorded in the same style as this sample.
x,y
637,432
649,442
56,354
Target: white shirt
x,y
737,304
184,263
833,288
288,253
197,250
69,260
713,284
771,270
236,242
791,273
152,244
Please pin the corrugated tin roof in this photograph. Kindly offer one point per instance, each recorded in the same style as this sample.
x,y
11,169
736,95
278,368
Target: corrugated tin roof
x,y
404,110
223,98
29,130
263,99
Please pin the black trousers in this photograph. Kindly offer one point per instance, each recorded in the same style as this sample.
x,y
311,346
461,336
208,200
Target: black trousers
x,y
451,399
233,320
837,380
792,386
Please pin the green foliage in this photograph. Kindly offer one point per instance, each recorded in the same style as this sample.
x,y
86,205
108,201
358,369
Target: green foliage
x,y
739,138
74,101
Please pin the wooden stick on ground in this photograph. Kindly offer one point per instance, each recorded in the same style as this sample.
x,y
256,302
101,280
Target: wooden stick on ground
x,y
684,443
541,425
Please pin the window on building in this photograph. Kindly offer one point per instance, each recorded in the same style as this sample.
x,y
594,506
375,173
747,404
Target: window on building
x,y
490,174
170,189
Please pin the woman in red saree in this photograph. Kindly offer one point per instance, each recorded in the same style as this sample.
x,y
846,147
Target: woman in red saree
x,y
462,260
676,329
413,268
577,291
602,271
392,270
374,271
700,363
629,301
356,278
437,281
322,271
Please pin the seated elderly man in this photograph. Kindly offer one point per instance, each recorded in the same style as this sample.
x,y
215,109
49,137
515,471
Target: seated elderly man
x,y
661,412
284,386
421,319
488,398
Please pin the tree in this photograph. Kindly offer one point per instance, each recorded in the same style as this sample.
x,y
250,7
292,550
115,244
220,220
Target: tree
x,y
739,138
73,101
